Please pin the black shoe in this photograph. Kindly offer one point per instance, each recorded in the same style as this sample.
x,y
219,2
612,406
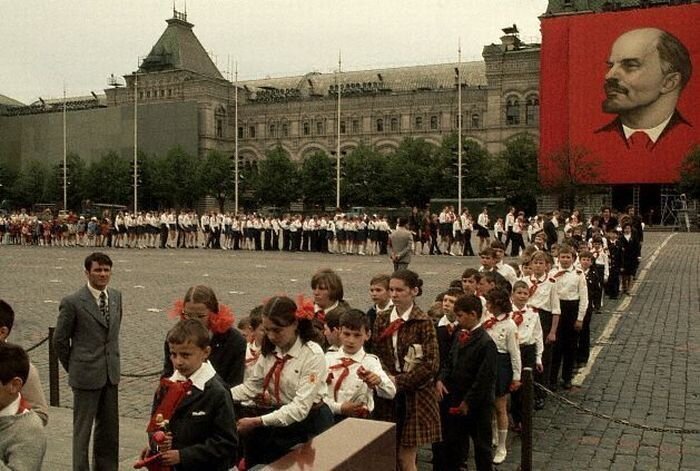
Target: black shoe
x,y
539,403
566,384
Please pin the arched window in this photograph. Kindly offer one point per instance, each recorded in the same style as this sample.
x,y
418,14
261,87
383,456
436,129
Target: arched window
x,y
476,120
343,128
273,131
512,111
394,124
251,132
419,122
319,127
433,122
532,110
380,125
307,128
285,130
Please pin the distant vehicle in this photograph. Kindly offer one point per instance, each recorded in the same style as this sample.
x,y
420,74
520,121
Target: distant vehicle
x,y
356,211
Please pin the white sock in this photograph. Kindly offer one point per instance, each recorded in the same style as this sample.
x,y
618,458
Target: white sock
x,y
502,435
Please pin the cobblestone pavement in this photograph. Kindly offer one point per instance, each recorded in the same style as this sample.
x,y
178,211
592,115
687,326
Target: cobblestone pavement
x,y
646,371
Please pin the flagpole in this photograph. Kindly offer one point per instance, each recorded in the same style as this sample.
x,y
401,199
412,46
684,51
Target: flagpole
x,y
337,147
459,127
235,147
65,154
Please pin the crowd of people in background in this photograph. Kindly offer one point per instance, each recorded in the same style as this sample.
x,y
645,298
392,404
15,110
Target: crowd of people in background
x,y
443,233
292,369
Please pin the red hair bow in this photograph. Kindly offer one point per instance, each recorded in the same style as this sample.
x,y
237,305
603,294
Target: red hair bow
x,y
305,308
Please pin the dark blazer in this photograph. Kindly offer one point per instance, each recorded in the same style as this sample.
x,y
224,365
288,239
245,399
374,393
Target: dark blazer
x,y
470,371
444,338
227,357
204,429
87,348
551,232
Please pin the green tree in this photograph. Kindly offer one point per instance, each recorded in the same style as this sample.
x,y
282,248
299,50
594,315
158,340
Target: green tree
x,y
477,168
421,169
366,180
110,180
181,174
317,179
690,174
516,173
8,176
277,179
30,185
76,178
217,177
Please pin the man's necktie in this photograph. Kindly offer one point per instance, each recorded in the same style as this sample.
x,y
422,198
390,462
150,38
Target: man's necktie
x,y
104,309
639,141
345,366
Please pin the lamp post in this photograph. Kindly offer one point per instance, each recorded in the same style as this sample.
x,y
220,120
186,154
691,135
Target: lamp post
x,y
337,144
235,140
136,136
65,155
459,128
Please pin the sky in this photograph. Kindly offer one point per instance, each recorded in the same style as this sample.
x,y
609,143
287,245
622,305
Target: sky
x,y
46,45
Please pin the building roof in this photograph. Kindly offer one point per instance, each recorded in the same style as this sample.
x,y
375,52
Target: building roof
x,y
399,79
7,101
179,48
556,7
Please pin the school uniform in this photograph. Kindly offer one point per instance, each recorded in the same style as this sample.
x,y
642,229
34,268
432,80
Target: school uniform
x,y
573,302
504,333
290,387
445,331
544,299
203,424
594,286
531,340
601,265
469,374
345,384
612,287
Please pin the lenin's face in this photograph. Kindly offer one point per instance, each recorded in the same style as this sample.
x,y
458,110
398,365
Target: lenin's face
x,y
635,77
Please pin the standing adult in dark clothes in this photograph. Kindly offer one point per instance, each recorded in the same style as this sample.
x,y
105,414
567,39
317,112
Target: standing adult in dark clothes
x,y
550,230
467,383
228,346
607,221
631,253
87,343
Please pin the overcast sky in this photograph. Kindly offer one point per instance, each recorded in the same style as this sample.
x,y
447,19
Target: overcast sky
x,y
45,44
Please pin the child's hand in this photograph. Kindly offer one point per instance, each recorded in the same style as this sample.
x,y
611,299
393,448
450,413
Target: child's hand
x,y
578,326
539,368
441,390
170,457
552,337
352,409
247,424
166,444
144,453
371,379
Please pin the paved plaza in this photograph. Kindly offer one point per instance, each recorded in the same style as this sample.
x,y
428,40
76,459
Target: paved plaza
x,y
646,370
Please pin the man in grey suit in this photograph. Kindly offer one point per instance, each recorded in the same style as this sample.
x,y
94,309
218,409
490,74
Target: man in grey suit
x,y
401,240
87,342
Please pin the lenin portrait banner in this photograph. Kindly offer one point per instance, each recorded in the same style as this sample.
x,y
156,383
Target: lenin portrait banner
x,y
620,99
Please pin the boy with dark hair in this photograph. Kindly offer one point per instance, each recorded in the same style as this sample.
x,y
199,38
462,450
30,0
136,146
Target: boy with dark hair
x,y
470,280
595,292
379,293
32,392
193,406
353,374
22,436
466,384
612,287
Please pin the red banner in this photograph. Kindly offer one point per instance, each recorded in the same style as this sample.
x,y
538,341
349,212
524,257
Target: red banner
x,y
619,103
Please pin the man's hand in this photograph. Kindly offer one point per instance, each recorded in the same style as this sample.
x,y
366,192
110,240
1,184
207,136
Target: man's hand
x,y
539,368
578,326
170,457
552,337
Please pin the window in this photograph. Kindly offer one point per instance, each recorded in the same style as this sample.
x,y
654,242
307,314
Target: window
x,y
251,132
240,132
273,130
532,110
418,123
219,120
170,92
219,127
319,127
512,112
285,130
476,121
140,95
433,122
456,123
355,126
342,127
394,124
148,94
162,93
380,125
307,128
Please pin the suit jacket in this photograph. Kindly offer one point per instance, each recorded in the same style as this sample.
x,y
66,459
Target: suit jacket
x,y
204,428
470,371
551,232
401,245
87,347
659,163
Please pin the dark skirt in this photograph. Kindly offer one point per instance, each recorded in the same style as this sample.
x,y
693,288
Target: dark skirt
x,y
504,374
481,231
268,444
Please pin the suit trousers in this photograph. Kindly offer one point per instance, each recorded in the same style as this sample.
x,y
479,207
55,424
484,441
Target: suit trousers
x,y
544,377
455,446
101,407
564,353
400,266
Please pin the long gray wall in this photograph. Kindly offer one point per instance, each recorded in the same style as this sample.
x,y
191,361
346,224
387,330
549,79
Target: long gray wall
x,y
91,133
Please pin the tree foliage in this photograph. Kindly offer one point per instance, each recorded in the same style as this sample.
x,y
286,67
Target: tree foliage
x,y
317,179
217,177
367,180
690,174
516,173
277,179
573,169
